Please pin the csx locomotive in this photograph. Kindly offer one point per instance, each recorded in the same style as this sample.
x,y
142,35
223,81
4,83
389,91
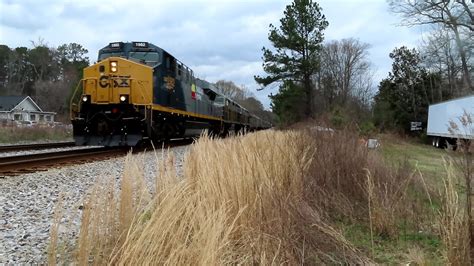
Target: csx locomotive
x,y
138,91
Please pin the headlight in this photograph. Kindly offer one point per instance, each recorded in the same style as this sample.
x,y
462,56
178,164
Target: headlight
x,y
123,98
113,66
85,98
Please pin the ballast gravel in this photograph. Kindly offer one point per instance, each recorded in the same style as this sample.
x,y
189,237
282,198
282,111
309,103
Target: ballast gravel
x,y
25,152
27,203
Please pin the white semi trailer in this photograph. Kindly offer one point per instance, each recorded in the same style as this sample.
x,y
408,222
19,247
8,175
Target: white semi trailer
x,y
442,115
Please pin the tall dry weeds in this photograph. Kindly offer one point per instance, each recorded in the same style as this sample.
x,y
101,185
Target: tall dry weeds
x,y
346,178
264,198
454,226
243,200
466,166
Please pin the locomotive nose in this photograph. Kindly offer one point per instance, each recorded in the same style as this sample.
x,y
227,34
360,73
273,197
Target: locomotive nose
x,y
113,84
116,80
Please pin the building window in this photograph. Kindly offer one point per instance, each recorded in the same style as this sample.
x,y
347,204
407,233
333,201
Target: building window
x,y
17,117
48,118
41,118
32,117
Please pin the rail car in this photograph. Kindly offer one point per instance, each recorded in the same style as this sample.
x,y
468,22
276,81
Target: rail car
x,y
138,91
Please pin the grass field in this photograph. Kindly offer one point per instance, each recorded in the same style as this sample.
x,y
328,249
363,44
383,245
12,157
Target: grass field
x,y
34,134
427,159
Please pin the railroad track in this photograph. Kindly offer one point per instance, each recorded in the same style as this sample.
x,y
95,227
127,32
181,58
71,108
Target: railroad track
x,y
20,164
15,165
37,146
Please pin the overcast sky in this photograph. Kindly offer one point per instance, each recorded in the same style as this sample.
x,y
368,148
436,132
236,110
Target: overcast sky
x,y
218,39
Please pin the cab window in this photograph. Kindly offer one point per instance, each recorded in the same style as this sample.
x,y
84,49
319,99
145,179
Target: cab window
x,y
103,56
148,58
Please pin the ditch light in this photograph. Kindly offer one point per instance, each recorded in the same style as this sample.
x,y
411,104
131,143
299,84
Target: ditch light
x,y
124,98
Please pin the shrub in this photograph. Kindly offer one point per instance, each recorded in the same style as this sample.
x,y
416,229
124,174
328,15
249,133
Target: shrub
x,y
367,128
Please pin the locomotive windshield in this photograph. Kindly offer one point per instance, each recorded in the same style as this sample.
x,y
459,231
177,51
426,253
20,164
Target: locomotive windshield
x,y
102,56
149,58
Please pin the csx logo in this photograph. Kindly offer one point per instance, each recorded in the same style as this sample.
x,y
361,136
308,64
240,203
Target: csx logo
x,y
120,81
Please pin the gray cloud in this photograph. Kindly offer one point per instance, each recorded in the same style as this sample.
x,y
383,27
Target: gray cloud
x,y
26,15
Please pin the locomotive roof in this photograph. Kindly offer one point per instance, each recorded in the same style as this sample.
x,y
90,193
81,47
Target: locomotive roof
x,y
127,47
130,46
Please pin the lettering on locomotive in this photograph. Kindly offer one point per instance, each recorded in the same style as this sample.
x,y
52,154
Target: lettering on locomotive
x,y
140,44
119,82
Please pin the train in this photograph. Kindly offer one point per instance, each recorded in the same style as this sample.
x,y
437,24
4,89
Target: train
x,y
139,92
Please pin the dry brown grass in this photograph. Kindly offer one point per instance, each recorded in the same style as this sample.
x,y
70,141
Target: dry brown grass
x,y
243,201
454,227
346,178
417,257
264,198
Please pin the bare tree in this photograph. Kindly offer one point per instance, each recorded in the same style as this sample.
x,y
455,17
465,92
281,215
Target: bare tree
x,y
52,96
454,15
229,89
345,72
440,55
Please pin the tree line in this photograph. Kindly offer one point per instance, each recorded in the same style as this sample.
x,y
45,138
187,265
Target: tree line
x,y
335,78
47,74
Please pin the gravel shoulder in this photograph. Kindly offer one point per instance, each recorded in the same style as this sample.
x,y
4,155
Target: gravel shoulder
x,y
27,203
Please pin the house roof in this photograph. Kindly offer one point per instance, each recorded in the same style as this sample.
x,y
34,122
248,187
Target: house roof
x,y
7,103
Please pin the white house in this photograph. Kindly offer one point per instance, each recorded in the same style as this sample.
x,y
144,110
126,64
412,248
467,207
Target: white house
x,y
23,110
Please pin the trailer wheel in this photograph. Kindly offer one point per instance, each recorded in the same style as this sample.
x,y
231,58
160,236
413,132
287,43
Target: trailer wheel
x,y
437,143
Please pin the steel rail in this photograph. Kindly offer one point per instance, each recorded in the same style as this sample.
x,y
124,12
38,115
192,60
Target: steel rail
x,y
19,164
35,146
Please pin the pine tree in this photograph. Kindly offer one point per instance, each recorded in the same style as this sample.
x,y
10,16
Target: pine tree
x,y
297,45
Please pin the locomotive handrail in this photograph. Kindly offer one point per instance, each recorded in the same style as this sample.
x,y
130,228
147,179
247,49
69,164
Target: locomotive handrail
x,y
71,104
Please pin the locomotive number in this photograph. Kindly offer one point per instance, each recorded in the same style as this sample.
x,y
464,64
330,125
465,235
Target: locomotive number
x,y
140,44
